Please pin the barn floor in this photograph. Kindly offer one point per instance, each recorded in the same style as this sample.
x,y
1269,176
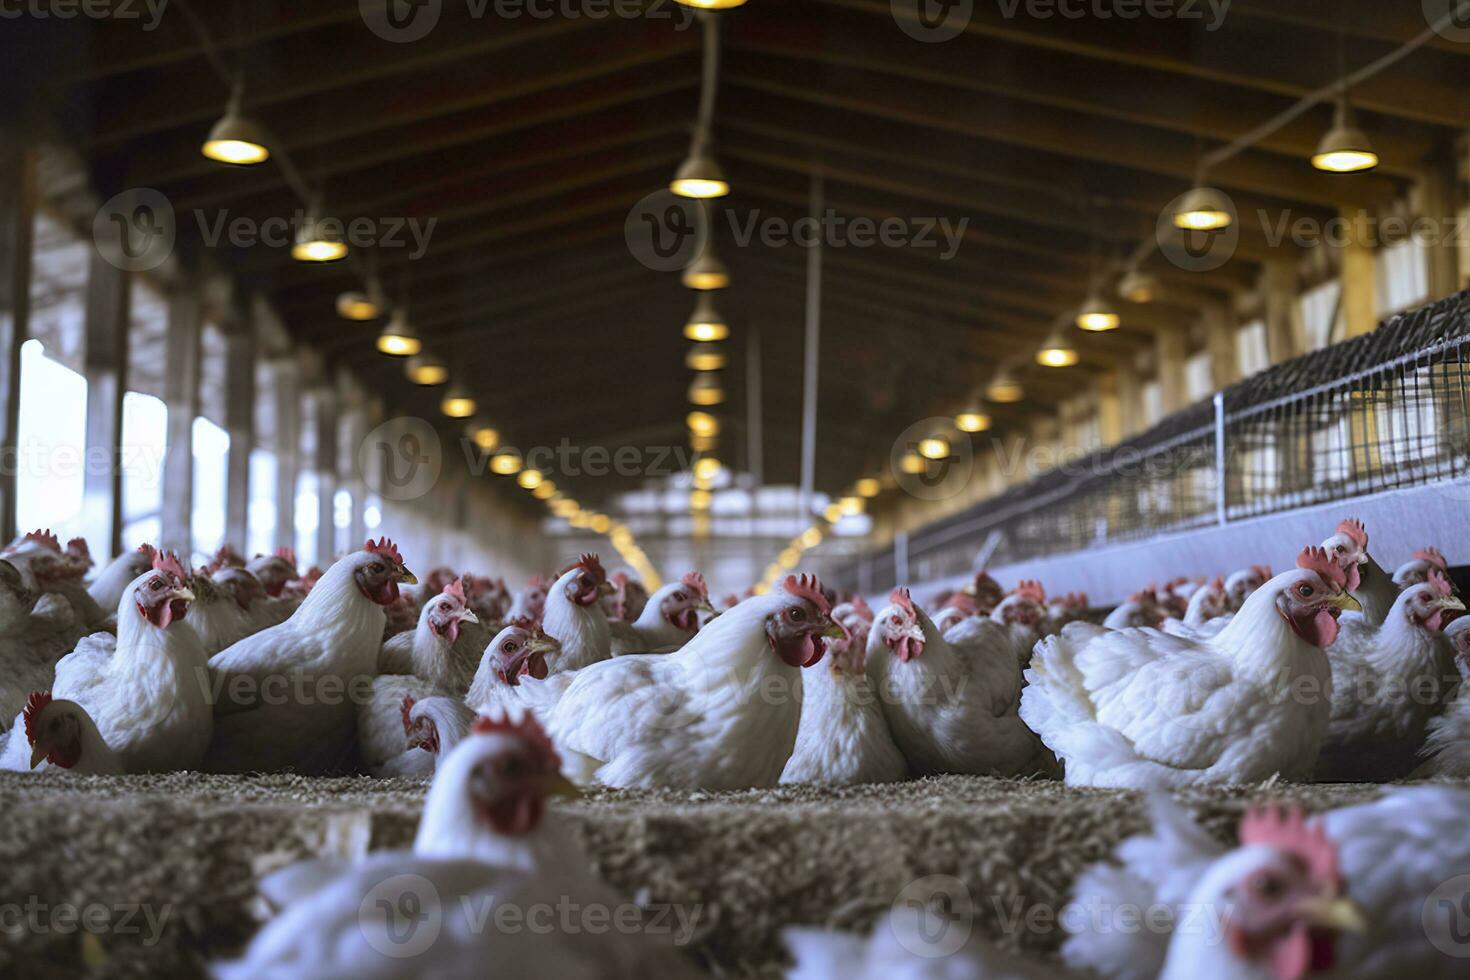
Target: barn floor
x,y
173,858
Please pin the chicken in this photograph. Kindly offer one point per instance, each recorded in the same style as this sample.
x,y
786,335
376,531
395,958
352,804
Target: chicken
x,y
24,666
107,588
1417,570
513,677
1446,749
287,696
148,688
530,602
956,608
574,616
1023,615
950,700
627,600
274,571
1387,682
1064,609
432,727
437,658
259,609
485,843
1135,708
1275,906
1207,614
57,733
1140,611
985,591
216,614
670,617
488,598
56,576
854,614
1239,585
721,713
1367,582
843,738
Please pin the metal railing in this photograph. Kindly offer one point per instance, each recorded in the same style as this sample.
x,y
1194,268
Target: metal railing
x,y
1389,409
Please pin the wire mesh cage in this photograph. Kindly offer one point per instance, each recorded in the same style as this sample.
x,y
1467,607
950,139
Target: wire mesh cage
x,y
1386,410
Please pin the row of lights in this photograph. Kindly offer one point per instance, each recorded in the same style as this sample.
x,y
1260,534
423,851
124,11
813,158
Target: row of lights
x,y
851,504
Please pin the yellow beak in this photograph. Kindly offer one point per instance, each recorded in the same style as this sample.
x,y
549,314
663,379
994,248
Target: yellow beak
x,y
407,577
1345,601
1340,914
544,644
1452,602
184,593
38,753
834,632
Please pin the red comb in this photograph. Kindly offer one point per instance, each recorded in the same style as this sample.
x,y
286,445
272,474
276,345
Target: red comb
x,y
1075,600
77,548
149,550
407,707
1289,831
287,554
1441,582
900,597
456,589
45,538
1031,589
168,563
526,623
528,728
807,587
1354,529
1433,556
1317,560
385,548
696,582
591,564
34,704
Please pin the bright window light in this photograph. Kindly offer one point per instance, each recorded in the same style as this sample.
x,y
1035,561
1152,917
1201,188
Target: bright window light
x,y
51,441
260,521
211,463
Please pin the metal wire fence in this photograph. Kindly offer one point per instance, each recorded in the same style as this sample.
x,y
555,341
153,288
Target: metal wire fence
x,y
1389,409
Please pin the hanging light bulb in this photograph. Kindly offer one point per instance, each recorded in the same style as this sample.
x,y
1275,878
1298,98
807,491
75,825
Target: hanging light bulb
x,y
315,242
713,4
236,139
705,390
1345,149
851,506
912,464
700,176
399,338
357,306
934,447
457,402
545,490
705,357
1097,314
707,272
1203,209
867,487
426,369
483,434
1139,287
1057,352
507,462
972,420
705,324
707,468
1004,389
703,424
530,479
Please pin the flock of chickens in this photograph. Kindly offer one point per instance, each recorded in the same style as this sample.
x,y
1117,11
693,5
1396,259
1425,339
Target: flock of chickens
x,y
1332,670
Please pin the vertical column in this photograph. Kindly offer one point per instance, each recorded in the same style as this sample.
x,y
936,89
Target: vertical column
x,y
1220,327
1109,409
181,394
325,464
17,222
1438,205
1283,322
286,378
240,424
1359,277
359,421
105,366
1170,351
1130,398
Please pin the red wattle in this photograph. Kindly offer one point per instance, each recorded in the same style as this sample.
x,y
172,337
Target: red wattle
x,y
685,619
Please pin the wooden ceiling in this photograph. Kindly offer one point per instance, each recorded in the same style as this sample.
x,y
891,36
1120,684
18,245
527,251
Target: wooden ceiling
x,y
530,139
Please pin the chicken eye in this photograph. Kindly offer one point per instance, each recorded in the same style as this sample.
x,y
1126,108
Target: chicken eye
x,y
796,615
1267,885
376,568
155,583
1342,549
1304,590
679,597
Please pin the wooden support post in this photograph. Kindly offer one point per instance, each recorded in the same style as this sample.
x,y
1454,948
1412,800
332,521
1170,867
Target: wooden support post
x,y
1437,205
1359,276
286,381
1284,332
181,395
105,366
1109,409
1170,349
240,346
17,223
324,424
1220,330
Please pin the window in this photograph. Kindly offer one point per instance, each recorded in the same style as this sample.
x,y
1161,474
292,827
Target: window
x,y
144,433
1199,380
260,530
342,520
50,444
1321,314
1252,348
1403,277
211,464
307,517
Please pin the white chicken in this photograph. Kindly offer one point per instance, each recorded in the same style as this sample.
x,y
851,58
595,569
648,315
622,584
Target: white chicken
x,y
107,588
148,688
843,738
530,602
574,615
1274,907
669,618
854,614
216,614
627,600
1387,682
1135,708
1417,569
950,700
1023,615
1240,584
721,713
57,733
432,727
513,677
1367,581
287,696
1141,611
1207,615
274,571
1446,748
